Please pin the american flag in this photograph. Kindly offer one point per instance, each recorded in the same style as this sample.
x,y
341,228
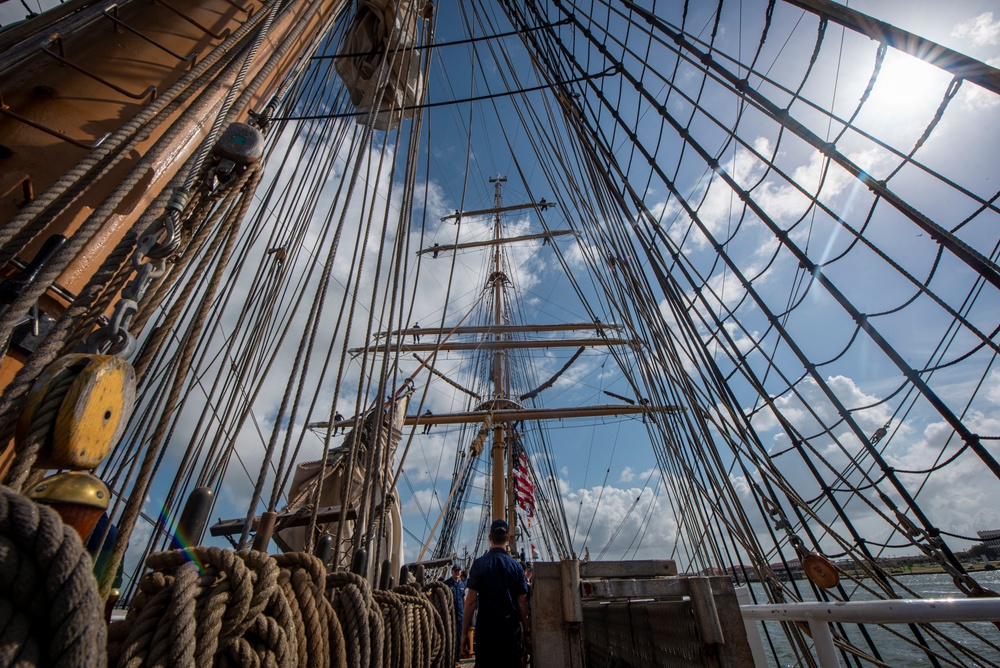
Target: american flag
x,y
523,489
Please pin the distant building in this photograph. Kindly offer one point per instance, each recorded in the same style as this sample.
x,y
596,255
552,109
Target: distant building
x,y
991,539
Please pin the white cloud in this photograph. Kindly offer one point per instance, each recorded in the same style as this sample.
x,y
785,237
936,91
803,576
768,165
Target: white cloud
x,y
977,98
645,528
981,30
627,475
992,386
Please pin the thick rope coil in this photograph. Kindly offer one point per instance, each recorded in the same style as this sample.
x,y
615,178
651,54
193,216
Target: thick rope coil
x,y
321,641
351,605
444,604
396,653
425,627
205,606
50,613
210,607
377,633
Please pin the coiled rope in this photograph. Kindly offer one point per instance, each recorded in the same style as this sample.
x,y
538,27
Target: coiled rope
x,y
205,606
50,613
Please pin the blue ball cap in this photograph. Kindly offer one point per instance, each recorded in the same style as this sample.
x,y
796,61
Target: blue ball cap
x,y
456,567
498,525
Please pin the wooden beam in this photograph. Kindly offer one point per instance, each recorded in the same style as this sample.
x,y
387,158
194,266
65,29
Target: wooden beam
x,y
516,415
495,242
500,209
285,520
507,329
505,344
958,64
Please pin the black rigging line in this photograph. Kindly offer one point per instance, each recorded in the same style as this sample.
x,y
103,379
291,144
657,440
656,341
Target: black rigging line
x,y
429,105
457,42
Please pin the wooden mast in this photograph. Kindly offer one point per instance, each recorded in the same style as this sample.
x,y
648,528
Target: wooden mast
x,y
499,357
502,408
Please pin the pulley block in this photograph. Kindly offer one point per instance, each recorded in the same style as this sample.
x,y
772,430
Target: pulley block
x,y
240,146
820,570
89,399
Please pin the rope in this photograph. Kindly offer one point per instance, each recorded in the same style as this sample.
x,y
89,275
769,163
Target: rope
x,y
443,602
41,426
403,628
50,613
206,606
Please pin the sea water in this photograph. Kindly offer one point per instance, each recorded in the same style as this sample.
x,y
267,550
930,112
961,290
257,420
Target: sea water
x,y
902,653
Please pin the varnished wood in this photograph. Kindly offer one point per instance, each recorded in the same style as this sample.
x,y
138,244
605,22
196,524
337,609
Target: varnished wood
x,y
507,329
505,344
494,242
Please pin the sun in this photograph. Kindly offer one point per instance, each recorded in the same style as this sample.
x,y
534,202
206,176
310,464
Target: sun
x,y
907,91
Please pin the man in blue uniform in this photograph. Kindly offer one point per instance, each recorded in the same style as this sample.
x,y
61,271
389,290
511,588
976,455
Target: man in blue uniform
x,y
497,588
458,593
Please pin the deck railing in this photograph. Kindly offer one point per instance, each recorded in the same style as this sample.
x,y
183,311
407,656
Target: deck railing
x,y
819,616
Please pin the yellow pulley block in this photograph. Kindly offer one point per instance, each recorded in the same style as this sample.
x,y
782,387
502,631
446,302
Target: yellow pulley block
x,y
98,393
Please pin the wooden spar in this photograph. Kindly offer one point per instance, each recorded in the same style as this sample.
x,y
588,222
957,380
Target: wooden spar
x,y
958,64
499,364
507,329
497,210
494,242
492,345
284,520
517,415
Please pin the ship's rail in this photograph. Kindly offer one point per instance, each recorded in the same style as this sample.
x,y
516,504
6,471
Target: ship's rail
x,y
819,616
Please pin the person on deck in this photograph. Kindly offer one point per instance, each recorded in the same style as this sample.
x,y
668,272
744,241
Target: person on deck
x,y
457,587
498,590
427,425
337,417
416,332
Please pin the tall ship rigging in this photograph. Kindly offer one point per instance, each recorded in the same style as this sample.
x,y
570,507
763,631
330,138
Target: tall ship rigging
x,y
269,290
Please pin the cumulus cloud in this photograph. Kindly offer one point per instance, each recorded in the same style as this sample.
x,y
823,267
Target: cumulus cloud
x,y
620,522
977,98
947,480
981,31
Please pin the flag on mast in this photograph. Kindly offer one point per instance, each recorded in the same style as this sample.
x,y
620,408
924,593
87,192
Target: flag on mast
x,y
523,489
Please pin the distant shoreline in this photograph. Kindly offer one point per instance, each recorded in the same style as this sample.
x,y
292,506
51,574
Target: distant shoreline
x,y
923,569
895,571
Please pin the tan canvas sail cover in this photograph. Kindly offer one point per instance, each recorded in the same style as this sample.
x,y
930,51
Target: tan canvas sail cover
x,y
381,427
383,63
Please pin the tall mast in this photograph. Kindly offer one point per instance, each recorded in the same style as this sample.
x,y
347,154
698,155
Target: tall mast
x,y
499,376
504,409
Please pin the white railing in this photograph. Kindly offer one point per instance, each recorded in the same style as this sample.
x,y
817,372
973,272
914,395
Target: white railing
x,y
819,616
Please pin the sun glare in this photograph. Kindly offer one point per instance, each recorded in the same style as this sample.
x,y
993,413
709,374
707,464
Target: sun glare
x,y
907,90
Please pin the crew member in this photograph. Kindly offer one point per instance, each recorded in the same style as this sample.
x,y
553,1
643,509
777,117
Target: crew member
x,y
457,587
498,590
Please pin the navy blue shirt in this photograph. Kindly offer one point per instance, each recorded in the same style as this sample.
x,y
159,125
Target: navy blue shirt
x,y
457,591
499,580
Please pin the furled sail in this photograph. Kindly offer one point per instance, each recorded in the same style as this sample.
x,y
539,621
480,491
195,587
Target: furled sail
x,y
378,63
377,435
